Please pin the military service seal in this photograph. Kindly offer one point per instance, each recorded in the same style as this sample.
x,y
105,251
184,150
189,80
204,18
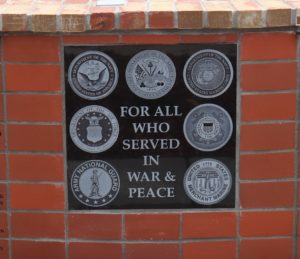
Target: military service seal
x,y
93,75
207,181
208,73
150,74
207,127
94,129
95,183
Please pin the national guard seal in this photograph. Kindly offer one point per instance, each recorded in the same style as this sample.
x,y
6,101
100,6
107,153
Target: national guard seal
x,y
94,129
208,73
207,127
95,183
150,74
207,181
93,75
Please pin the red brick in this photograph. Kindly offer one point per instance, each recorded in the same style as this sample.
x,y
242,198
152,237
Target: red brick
x,y
35,138
36,167
37,249
298,248
209,225
47,108
161,20
256,46
4,251
152,251
32,77
267,195
1,89
38,225
2,137
268,136
1,107
269,107
150,39
267,166
37,196
102,18
209,38
298,221
266,223
2,167
88,39
266,249
132,21
31,48
152,226
3,196
95,251
3,225
210,250
105,226
268,76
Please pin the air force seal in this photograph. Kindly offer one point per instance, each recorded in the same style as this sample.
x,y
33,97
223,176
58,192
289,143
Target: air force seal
x,y
95,183
93,75
208,73
150,74
207,127
207,181
94,129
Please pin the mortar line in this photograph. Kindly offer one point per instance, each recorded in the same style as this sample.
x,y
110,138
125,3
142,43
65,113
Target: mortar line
x,y
123,235
296,189
63,93
181,235
266,61
238,126
8,194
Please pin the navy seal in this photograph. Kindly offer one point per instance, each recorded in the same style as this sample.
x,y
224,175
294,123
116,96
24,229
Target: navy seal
x,y
95,183
93,75
207,181
208,73
207,127
94,129
150,74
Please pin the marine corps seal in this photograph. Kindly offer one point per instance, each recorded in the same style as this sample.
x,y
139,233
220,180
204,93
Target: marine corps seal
x,y
94,129
95,183
207,127
150,74
93,75
208,73
207,181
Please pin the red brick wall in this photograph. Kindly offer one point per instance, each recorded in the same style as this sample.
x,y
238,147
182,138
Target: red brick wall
x,y
34,220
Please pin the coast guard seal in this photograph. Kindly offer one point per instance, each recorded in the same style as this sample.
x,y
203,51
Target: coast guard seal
x,y
94,129
207,181
93,75
95,183
150,74
208,73
207,127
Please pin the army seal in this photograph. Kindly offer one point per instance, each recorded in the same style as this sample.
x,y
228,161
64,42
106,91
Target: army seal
x,y
94,129
150,74
95,183
207,181
93,75
207,127
208,73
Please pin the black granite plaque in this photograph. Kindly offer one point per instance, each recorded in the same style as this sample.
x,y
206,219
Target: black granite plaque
x,y
151,126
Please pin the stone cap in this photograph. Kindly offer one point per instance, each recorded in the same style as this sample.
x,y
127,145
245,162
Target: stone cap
x,y
85,15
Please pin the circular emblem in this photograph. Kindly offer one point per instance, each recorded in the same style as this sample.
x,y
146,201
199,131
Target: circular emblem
x,y
93,75
94,129
207,181
150,74
208,73
95,183
207,127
